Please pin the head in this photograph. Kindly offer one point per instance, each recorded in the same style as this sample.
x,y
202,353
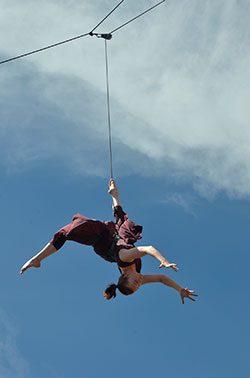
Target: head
x,y
127,284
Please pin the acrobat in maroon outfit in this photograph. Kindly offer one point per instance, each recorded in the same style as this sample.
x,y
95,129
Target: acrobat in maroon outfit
x,y
107,238
114,242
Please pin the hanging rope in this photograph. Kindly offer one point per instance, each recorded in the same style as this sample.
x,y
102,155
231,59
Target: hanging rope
x,y
108,108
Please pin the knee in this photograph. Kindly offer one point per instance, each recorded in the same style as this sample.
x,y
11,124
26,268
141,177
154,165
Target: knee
x,y
58,240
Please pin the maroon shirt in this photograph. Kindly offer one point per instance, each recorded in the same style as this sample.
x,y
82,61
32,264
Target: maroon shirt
x,y
101,235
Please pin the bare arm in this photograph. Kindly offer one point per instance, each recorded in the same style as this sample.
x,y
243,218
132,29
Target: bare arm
x,y
114,193
128,255
162,278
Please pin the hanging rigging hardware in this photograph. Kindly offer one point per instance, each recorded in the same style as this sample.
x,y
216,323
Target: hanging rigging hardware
x,y
105,36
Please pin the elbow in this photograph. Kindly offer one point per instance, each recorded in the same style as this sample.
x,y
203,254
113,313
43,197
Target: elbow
x,y
162,279
150,249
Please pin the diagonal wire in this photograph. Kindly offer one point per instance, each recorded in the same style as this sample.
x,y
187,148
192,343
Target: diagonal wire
x,y
82,35
61,42
108,105
44,48
107,16
141,14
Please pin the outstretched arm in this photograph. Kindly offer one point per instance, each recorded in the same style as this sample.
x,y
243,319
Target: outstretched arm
x,y
184,292
114,193
128,255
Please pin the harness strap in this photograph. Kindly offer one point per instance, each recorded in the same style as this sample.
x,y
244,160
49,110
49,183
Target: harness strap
x,y
111,249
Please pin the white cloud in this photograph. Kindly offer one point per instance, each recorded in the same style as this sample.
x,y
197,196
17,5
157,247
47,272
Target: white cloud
x,y
186,202
179,88
12,364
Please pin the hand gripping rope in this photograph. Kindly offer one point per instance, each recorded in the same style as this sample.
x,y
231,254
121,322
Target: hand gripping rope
x,y
106,37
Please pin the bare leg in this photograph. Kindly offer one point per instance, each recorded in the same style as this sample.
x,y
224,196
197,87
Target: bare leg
x,y
35,261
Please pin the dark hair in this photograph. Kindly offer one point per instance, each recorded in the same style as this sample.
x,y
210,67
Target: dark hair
x,y
110,291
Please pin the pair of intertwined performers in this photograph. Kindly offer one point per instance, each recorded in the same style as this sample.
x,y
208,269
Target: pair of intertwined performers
x,y
115,243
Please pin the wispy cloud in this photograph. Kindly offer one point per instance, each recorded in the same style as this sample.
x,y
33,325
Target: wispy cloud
x,y
185,201
179,89
12,364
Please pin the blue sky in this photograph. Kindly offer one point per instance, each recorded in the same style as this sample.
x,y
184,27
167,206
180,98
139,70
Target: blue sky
x,y
180,120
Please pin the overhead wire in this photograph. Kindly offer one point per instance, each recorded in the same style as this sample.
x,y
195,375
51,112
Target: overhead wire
x,y
106,37
82,35
61,42
135,18
43,48
107,16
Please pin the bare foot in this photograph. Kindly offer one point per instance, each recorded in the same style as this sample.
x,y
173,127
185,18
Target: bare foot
x,y
32,262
